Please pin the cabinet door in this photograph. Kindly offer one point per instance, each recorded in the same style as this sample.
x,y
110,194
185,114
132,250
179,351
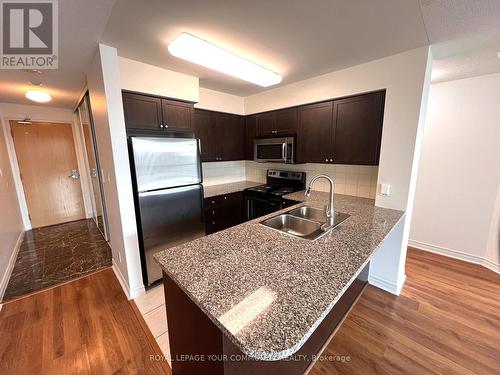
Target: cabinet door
x,y
357,129
250,134
230,136
177,115
204,125
314,133
286,121
141,111
266,124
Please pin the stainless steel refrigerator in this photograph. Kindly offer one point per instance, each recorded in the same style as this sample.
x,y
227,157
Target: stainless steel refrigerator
x,y
167,180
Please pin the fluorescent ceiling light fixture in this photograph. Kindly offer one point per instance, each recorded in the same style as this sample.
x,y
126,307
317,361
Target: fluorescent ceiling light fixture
x,y
201,52
38,96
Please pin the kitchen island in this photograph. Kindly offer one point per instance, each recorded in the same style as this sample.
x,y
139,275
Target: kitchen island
x,y
251,299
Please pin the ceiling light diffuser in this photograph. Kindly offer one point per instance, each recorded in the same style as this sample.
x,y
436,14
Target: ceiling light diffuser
x,y
38,96
201,52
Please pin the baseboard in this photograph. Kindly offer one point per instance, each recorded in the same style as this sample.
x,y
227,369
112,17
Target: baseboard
x,y
495,267
10,266
131,294
455,254
121,279
388,286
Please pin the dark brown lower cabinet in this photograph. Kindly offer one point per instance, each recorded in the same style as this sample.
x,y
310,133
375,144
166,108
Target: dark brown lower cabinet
x,y
223,211
198,346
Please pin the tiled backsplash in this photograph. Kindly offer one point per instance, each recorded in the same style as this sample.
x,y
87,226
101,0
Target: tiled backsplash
x,y
357,180
223,172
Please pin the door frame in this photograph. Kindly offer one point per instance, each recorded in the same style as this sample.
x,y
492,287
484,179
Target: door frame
x,y
78,143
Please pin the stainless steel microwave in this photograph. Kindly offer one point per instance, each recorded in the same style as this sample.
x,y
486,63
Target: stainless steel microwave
x,y
278,150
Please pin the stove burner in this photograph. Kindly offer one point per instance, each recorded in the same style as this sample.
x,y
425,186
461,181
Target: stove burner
x,y
261,188
266,198
283,191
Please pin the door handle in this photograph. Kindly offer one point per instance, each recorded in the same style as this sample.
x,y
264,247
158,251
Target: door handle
x,y
74,174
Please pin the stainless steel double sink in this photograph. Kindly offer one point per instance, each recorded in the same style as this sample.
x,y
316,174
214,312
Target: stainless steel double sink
x,y
304,222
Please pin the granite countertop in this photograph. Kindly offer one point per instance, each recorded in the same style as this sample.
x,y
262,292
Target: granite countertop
x,y
231,187
269,291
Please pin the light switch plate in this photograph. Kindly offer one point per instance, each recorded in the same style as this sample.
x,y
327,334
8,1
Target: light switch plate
x,y
385,190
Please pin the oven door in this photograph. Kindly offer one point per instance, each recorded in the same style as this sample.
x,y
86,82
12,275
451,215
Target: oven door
x,y
257,207
279,150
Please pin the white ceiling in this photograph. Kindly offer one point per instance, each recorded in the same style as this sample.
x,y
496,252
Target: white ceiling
x,y
81,23
296,38
465,37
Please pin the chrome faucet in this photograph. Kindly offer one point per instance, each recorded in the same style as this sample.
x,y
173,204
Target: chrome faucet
x,y
330,213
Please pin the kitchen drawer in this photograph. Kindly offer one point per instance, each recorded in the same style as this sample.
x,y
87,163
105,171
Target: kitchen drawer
x,y
222,200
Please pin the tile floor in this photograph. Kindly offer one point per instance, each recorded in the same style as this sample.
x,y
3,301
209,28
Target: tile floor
x,y
152,307
55,254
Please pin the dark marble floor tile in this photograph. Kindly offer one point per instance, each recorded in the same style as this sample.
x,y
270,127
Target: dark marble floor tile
x,y
56,254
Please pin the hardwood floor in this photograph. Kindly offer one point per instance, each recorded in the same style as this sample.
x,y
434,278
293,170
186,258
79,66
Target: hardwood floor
x,y
86,326
446,321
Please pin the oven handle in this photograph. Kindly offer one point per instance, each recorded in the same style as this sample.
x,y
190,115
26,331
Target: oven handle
x,y
283,152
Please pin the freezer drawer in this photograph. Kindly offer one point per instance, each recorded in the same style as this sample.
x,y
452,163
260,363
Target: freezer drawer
x,y
168,218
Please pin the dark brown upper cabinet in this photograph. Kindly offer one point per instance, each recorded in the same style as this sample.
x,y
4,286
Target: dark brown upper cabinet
x,y
177,115
222,135
357,124
142,112
250,134
315,133
280,122
230,136
151,113
342,131
204,122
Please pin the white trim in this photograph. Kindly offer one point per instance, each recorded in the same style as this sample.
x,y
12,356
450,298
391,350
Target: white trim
x,y
456,254
10,265
386,285
11,151
495,267
131,294
16,174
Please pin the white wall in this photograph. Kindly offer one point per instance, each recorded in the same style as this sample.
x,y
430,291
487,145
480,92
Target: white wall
x,y
11,224
107,109
457,204
405,76
220,101
141,77
9,111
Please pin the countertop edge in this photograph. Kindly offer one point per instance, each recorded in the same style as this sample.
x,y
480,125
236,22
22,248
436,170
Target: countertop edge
x,y
229,187
275,356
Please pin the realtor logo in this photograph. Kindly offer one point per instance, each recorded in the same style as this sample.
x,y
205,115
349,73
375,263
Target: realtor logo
x,y
29,35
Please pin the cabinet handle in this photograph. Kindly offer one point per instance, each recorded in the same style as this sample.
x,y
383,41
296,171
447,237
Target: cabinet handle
x,y
213,222
225,198
331,160
166,126
161,126
213,202
213,212
326,160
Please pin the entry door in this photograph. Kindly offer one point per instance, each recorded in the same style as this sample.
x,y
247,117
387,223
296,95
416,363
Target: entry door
x,y
49,172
